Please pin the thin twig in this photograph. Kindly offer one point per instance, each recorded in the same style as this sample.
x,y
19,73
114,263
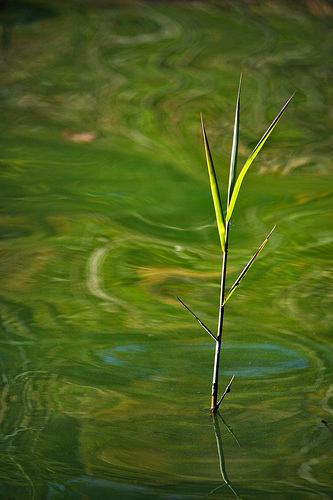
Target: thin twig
x,y
223,395
196,317
247,267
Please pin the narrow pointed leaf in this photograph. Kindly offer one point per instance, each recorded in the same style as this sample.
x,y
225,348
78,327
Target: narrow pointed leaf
x,y
233,160
251,158
246,268
215,189
196,317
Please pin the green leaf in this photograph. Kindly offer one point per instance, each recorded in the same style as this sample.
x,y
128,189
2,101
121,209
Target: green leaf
x,y
246,268
233,160
214,189
251,158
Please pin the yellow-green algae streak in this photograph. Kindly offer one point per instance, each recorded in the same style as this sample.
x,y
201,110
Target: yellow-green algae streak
x,y
106,215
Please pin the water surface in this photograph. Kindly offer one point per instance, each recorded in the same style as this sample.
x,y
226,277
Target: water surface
x,y
106,216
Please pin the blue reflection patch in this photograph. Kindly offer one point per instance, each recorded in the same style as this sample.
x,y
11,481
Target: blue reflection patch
x,y
131,365
256,360
111,360
110,355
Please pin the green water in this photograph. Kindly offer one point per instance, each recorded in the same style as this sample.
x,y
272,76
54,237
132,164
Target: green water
x,y
105,378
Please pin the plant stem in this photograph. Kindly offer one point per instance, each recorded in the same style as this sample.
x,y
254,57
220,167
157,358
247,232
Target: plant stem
x,y
220,325
231,185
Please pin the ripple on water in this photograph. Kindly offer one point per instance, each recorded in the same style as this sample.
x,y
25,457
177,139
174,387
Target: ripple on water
x,y
259,359
246,360
111,356
126,356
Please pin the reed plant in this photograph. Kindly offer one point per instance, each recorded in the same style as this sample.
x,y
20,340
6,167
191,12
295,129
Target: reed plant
x,y
223,221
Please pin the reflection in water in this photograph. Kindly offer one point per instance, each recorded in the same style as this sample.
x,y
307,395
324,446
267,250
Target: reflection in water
x,y
258,360
218,437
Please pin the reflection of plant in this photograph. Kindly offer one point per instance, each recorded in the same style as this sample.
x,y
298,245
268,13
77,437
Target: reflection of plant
x,y
223,229
221,455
